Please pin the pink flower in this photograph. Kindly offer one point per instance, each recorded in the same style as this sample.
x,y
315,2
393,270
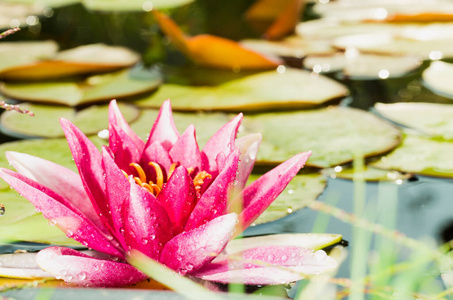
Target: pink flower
x,y
163,197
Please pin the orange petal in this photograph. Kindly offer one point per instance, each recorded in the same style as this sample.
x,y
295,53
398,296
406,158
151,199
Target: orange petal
x,y
212,51
279,17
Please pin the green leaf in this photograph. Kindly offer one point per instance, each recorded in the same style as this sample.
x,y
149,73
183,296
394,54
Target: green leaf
x,y
436,78
263,91
368,174
302,190
15,54
132,5
420,155
45,123
429,118
334,135
47,3
95,88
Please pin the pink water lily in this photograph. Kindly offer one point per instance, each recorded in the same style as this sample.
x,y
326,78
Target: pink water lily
x,y
163,197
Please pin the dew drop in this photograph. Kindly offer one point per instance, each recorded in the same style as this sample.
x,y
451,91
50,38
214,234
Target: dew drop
x,y
320,255
52,222
145,241
153,236
82,275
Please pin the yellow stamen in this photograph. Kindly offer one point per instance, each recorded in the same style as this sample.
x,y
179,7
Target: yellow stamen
x,y
159,174
190,170
141,173
172,169
125,174
156,188
148,187
199,179
138,181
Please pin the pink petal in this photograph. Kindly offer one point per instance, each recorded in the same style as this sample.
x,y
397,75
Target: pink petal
x,y
117,189
253,266
77,268
147,227
179,198
262,192
214,201
164,130
190,250
248,146
62,213
158,154
117,119
221,141
123,148
61,180
186,151
88,160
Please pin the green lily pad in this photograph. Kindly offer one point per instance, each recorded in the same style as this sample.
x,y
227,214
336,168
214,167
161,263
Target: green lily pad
x,y
267,90
420,155
55,150
429,118
46,123
13,54
47,3
80,60
95,88
333,134
132,5
16,207
368,174
206,124
436,78
314,241
300,192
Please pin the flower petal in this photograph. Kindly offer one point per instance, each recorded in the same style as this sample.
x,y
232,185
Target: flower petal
x,y
186,151
116,118
88,160
21,265
253,266
190,250
248,146
78,268
214,200
179,198
164,130
61,213
61,180
147,227
158,154
221,141
262,192
123,148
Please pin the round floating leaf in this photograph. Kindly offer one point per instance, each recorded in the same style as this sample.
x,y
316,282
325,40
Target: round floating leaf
x,y
55,150
13,54
333,134
420,155
302,190
293,46
132,5
81,60
47,3
206,124
95,88
437,78
16,207
267,90
429,118
46,122
368,174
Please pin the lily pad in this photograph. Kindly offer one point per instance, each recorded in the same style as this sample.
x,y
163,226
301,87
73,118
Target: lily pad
x,y
81,60
368,174
420,155
429,118
333,134
132,5
46,123
300,192
364,66
15,14
314,241
55,150
46,3
293,46
95,88
13,54
284,88
436,78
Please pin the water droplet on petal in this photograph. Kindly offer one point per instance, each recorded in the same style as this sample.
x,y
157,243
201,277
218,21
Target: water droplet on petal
x,y
320,255
82,275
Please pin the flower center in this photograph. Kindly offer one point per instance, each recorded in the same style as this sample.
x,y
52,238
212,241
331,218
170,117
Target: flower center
x,y
155,187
